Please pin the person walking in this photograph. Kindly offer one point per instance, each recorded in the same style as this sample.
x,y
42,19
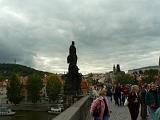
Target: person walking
x,y
109,92
118,94
134,102
101,103
142,100
152,99
94,92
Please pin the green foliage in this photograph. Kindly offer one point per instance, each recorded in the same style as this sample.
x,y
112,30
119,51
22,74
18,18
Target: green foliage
x,y
14,90
151,72
34,85
150,75
149,79
53,87
2,78
6,70
90,77
124,79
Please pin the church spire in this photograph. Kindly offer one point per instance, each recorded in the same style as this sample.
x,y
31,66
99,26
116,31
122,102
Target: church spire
x,y
159,61
114,69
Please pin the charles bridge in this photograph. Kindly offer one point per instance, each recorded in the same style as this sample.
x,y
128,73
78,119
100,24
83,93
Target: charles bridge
x,y
80,111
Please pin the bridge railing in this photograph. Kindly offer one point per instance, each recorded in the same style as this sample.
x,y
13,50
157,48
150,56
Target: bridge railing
x,y
78,111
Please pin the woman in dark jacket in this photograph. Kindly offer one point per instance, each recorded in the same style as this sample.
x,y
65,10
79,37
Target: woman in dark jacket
x,y
134,102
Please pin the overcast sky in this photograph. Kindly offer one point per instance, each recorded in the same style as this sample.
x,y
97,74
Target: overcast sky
x,y
38,33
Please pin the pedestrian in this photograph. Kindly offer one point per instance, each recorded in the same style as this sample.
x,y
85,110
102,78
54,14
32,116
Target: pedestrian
x,y
152,99
94,92
109,92
115,95
134,102
142,100
101,103
118,94
124,93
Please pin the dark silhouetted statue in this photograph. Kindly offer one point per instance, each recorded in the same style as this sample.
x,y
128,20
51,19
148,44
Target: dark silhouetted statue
x,y
72,59
73,78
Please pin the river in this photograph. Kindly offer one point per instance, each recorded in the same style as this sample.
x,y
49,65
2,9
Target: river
x,y
29,115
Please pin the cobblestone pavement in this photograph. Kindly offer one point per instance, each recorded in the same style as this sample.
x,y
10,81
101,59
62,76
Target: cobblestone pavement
x,y
118,113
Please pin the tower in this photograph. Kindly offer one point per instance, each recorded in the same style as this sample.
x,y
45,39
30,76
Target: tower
x,y
159,61
118,69
114,69
15,61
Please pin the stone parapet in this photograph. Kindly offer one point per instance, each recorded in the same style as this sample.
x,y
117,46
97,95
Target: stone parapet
x,y
78,111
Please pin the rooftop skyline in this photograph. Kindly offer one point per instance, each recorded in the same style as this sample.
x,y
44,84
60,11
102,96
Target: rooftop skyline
x,y
38,33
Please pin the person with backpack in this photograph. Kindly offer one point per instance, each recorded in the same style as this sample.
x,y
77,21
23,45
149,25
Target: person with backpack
x,y
109,92
100,107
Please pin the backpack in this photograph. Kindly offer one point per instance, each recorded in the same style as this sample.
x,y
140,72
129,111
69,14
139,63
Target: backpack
x,y
106,111
97,110
109,92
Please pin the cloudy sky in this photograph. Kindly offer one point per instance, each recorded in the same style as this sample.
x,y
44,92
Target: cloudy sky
x,y
38,33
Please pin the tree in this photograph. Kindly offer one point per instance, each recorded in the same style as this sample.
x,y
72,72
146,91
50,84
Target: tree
x,y
53,87
125,79
140,72
89,78
2,78
151,72
14,90
34,85
150,75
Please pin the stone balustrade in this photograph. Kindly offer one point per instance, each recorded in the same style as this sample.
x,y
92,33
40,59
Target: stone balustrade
x,y
78,111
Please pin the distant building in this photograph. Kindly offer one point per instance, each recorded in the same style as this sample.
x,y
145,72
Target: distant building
x,y
24,80
145,68
3,91
99,77
110,77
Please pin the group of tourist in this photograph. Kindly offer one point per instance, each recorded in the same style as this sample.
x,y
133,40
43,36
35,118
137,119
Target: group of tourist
x,y
145,97
120,93
150,98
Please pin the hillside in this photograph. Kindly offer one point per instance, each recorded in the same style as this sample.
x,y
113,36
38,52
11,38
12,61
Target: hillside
x,y
7,70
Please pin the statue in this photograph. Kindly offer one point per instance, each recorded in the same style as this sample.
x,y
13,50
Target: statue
x,y
72,59
73,78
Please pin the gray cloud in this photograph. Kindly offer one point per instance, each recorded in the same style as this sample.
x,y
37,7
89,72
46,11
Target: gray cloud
x,y
38,33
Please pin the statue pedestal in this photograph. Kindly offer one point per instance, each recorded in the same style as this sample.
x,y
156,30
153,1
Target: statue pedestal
x,y
69,101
